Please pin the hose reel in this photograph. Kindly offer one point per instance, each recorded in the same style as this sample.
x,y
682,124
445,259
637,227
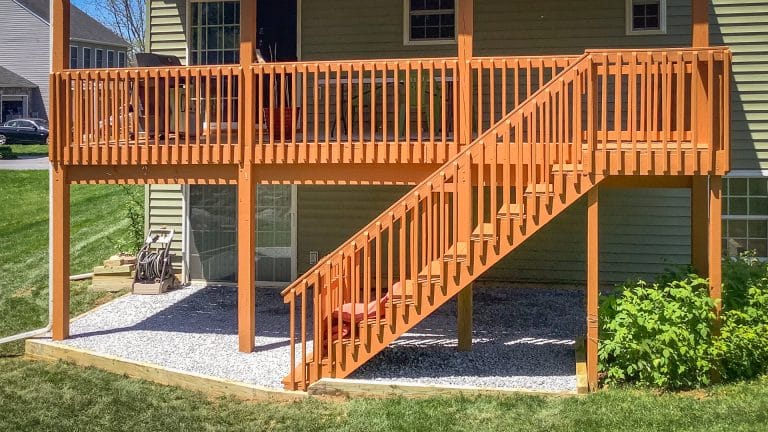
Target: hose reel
x,y
154,266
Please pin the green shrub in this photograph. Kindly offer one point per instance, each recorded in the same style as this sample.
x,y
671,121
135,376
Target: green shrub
x,y
6,153
741,349
657,334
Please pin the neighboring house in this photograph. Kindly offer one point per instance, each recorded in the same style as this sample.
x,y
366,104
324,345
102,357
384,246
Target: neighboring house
x,y
25,51
15,94
645,231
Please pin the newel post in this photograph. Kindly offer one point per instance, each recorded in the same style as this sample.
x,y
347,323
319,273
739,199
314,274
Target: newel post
x,y
246,186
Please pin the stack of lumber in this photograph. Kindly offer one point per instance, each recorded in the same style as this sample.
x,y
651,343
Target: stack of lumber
x,y
115,275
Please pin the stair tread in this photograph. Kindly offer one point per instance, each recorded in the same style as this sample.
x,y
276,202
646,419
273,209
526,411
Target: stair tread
x,y
487,232
459,252
435,269
539,189
567,168
510,210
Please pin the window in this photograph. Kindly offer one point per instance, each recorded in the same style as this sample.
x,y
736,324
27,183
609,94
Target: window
x,y
745,215
646,17
73,57
430,21
99,59
110,59
87,64
215,32
121,59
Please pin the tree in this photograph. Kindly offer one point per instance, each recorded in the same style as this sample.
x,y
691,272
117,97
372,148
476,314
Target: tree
x,y
127,18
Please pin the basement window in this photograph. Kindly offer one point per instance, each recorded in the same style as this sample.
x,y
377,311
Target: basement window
x,y
430,22
745,216
646,17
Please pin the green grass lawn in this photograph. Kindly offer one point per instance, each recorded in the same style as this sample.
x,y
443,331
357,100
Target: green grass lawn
x,y
98,222
39,396
29,149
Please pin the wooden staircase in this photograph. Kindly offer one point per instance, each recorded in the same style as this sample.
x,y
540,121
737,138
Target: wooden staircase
x,y
586,124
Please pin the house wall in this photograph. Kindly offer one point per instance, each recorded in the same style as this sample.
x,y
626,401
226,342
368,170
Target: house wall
x,y
24,49
643,231
743,25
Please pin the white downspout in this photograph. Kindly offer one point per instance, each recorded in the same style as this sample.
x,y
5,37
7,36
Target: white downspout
x,y
47,328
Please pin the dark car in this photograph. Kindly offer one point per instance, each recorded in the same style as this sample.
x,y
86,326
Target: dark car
x,y
24,131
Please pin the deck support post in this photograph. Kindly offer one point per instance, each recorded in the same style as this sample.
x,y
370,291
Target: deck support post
x,y
700,224
60,202
715,244
246,189
700,23
60,239
593,286
465,47
464,318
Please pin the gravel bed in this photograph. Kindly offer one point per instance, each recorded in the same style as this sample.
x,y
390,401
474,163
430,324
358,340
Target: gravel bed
x,y
193,329
523,338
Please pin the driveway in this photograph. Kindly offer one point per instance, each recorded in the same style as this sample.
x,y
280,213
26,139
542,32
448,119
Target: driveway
x,y
25,163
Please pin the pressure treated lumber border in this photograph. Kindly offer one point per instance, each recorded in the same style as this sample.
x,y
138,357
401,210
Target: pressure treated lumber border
x,y
364,388
582,381
44,350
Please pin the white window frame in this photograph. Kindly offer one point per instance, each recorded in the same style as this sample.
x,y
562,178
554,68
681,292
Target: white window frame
x,y
662,19
741,174
98,61
76,58
89,57
114,59
125,59
407,28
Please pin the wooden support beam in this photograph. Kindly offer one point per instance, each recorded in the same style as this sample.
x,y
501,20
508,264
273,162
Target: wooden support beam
x,y
715,242
700,225
700,23
464,318
246,259
60,235
593,286
60,229
59,35
246,189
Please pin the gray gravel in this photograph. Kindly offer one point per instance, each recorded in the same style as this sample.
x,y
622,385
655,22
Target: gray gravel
x,y
523,338
192,329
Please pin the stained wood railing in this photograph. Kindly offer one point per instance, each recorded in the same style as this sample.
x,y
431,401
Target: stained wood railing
x,y
609,113
387,111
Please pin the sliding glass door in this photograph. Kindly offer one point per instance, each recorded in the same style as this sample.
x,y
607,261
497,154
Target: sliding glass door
x,y
212,233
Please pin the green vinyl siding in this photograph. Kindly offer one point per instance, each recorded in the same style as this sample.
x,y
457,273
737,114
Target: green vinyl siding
x,y
329,215
165,208
743,26
166,28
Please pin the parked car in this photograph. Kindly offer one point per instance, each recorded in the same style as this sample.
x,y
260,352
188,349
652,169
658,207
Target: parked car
x,y
24,131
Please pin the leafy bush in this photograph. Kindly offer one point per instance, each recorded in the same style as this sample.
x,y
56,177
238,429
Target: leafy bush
x,y
6,153
133,206
741,349
660,334
657,334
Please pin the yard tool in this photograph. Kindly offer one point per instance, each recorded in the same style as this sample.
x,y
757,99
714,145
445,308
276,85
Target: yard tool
x,y
154,269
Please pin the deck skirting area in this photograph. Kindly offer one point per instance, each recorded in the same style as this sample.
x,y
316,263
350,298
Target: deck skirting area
x,y
188,338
